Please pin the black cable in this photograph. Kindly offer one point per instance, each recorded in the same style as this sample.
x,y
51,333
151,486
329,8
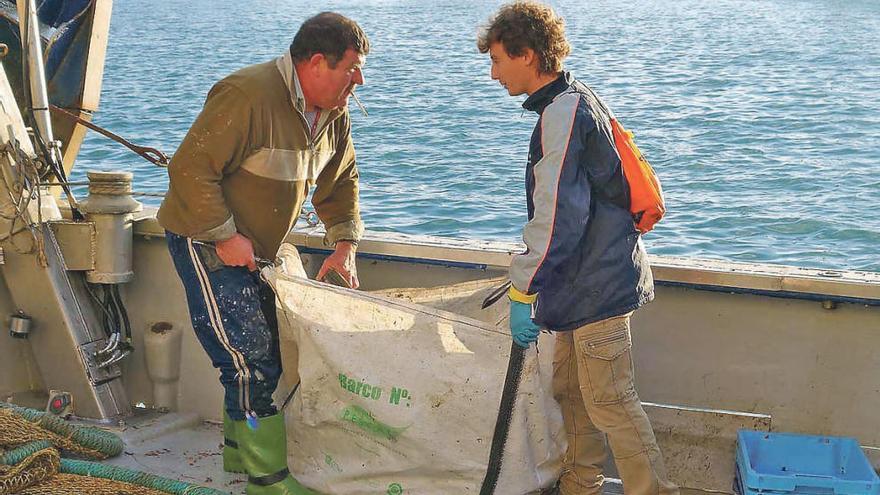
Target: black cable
x,y
111,305
126,323
100,304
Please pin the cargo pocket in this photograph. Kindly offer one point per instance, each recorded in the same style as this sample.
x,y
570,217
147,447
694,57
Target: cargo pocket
x,y
608,364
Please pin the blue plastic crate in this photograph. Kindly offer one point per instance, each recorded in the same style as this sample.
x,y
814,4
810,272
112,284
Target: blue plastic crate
x,y
802,464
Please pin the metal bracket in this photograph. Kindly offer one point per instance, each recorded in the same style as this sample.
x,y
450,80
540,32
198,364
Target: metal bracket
x,y
98,374
78,242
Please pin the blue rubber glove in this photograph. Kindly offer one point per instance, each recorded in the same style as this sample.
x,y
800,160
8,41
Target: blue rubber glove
x,y
522,328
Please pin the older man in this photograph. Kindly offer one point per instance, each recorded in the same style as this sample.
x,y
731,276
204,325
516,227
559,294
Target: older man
x,y
267,133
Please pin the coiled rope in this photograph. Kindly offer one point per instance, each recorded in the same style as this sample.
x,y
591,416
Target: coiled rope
x,y
34,464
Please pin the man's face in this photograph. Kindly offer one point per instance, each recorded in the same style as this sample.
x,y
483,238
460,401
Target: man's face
x,y
335,84
514,73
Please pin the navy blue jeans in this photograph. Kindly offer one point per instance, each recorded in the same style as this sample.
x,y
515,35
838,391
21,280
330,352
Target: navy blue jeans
x,y
233,314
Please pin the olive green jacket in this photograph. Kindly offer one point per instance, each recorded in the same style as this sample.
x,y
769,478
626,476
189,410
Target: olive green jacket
x,y
248,161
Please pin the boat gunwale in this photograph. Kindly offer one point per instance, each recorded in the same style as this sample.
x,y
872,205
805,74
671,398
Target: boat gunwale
x,y
791,282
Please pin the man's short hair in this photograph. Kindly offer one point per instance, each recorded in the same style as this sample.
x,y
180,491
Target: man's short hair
x,y
329,34
522,25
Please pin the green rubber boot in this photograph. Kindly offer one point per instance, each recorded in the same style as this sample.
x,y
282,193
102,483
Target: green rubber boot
x,y
264,456
231,456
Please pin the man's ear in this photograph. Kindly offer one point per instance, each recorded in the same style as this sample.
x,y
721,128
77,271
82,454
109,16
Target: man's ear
x,y
315,61
529,57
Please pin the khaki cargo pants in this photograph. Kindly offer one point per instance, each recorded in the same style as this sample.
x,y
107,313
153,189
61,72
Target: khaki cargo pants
x,y
593,383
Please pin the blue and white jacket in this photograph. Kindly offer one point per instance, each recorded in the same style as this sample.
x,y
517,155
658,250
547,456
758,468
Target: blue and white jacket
x,y
584,260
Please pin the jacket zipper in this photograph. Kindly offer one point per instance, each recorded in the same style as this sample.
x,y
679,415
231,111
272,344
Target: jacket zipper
x,y
312,139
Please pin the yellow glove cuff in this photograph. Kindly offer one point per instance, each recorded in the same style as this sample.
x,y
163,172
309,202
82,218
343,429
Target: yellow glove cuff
x,y
521,297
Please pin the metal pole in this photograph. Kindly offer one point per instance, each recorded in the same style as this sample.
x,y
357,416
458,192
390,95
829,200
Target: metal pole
x,y
33,46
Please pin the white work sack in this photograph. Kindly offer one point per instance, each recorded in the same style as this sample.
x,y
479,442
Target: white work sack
x,y
400,398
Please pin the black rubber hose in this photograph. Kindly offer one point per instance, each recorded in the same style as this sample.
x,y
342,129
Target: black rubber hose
x,y
502,424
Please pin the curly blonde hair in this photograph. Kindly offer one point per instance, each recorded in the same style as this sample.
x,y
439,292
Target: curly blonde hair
x,y
522,25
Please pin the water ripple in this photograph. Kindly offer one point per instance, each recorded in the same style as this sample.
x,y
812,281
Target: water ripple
x,y
762,116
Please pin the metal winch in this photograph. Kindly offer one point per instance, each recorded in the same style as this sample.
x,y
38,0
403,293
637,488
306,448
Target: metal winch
x,y
110,206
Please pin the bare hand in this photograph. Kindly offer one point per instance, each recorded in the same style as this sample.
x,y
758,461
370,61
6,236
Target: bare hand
x,y
342,261
238,250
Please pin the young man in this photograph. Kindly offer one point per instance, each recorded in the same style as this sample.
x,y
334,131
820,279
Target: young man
x,y
267,133
584,271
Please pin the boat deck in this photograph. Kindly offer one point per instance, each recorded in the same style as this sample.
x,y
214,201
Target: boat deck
x,y
177,446
186,448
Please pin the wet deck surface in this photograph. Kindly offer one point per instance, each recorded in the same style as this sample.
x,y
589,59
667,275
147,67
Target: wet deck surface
x,y
178,446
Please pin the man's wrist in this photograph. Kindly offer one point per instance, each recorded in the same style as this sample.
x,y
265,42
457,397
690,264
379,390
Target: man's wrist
x,y
346,243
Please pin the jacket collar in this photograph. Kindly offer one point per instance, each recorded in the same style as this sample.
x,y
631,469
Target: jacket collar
x,y
288,73
539,100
